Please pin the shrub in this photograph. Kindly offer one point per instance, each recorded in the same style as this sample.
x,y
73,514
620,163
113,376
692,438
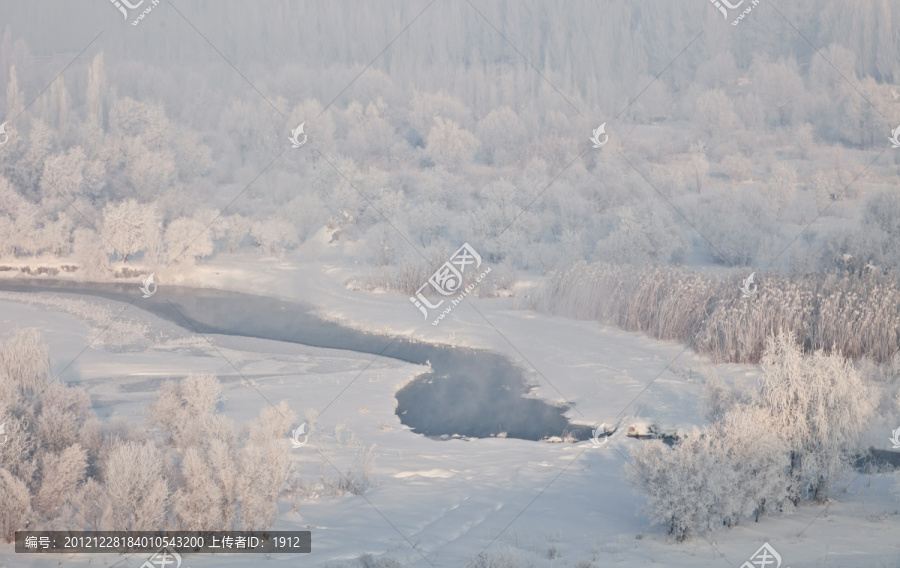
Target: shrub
x,y
792,441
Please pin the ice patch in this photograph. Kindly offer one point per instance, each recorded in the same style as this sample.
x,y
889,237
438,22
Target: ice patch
x,y
439,473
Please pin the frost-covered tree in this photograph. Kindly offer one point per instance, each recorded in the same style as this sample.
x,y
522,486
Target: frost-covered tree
x,y
793,440
804,139
264,465
192,157
501,133
54,236
149,172
64,173
273,423
699,166
91,501
197,505
96,89
17,455
860,121
426,106
25,359
223,484
57,458
780,87
136,487
369,132
318,125
26,172
718,398
48,445
715,113
428,222
736,167
683,485
715,477
819,405
186,411
62,413
449,145
308,214
782,185
16,512
188,239
17,216
89,251
129,118
644,233
274,236
220,456
881,228
759,455
826,185
56,104
129,226
264,471
230,231
738,226
61,475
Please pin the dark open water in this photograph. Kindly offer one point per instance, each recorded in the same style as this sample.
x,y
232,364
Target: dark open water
x,y
470,392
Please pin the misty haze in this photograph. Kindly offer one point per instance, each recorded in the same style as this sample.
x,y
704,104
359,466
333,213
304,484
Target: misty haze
x,y
470,283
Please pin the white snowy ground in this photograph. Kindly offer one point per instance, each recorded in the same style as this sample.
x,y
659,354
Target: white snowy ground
x,y
452,499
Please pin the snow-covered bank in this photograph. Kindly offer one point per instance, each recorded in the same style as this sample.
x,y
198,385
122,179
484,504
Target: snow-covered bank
x,y
448,500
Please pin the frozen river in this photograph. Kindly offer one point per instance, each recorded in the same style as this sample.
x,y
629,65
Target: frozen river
x,y
468,392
